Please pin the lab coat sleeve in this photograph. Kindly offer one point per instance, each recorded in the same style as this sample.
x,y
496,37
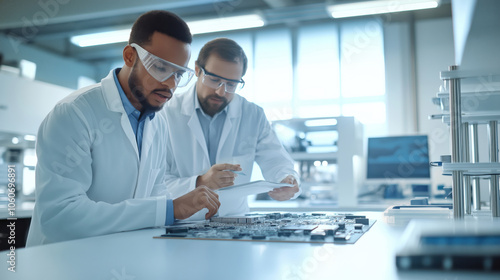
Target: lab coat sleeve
x,y
177,187
174,186
64,175
274,161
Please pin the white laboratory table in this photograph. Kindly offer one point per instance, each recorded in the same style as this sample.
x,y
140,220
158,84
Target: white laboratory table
x,y
325,205
137,255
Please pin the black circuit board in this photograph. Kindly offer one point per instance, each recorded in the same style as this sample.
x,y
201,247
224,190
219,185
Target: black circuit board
x,y
276,227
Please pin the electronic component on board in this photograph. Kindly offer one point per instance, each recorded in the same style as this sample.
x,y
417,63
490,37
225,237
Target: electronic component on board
x,y
276,227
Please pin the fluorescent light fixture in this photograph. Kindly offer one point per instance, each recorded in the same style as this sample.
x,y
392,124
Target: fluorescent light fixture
x,y
379,7
320,122
28,69
101,38
196,27
29,137
225,24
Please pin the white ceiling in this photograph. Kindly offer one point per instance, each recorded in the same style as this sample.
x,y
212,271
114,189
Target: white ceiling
x,y
48,24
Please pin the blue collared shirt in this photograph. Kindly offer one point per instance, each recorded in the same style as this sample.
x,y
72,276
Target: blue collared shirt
x,y
137,119
212,128
137,122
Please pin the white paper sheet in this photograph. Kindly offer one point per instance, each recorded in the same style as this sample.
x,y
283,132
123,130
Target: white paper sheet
x,y
254,187
233,198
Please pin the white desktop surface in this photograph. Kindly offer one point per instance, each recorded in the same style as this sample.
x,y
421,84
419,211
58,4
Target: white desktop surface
x,y
137,255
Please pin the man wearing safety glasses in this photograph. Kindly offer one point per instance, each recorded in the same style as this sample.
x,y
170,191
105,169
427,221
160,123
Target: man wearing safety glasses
x,y
102,150
215,135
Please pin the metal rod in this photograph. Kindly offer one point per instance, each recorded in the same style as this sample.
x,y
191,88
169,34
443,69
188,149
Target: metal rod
x,y
476,192
466,158
493,136
456,154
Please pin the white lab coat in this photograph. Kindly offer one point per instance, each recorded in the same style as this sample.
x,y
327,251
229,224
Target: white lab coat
x,y
89,179
246,137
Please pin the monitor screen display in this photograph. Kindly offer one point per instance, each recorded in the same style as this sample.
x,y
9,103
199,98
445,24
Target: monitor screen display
x,y
400,157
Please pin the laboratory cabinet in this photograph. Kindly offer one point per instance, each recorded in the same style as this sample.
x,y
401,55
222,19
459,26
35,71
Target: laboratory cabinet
x,y
14,233
24,103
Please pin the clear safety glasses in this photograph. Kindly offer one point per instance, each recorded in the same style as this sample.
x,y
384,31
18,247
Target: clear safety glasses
x,y
161,69
214,81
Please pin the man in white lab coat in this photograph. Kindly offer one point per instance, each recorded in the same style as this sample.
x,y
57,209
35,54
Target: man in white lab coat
x,y
213,131
102,150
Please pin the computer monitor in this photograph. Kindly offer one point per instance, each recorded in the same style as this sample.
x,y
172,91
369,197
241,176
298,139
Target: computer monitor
x,y
398,157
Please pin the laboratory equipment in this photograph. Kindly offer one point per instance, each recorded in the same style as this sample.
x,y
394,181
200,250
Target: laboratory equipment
x,y
468,100
465,121
450,245
397,167
329,156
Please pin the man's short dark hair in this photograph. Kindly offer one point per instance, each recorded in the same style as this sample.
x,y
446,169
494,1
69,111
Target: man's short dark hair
x,y
226,49
164,22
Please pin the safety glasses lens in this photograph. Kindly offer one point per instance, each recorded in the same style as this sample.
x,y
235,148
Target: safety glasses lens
x,y
161,69
216,82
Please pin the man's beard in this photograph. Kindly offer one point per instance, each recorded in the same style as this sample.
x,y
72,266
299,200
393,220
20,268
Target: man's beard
x,y
136,88
209,108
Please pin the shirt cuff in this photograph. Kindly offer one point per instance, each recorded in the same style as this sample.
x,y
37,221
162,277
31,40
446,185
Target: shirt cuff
x,y
169,220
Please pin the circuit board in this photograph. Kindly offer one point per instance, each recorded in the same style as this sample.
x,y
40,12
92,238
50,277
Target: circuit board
x,y
276,227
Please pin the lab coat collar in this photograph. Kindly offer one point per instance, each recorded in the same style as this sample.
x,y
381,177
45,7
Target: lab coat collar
x,y
111,94
114,103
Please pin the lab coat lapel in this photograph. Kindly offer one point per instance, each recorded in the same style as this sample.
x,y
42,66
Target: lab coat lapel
x,y
114,103
127,128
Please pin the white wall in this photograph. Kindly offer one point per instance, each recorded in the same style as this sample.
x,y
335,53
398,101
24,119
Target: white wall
x,y
398,78
434,52
477,34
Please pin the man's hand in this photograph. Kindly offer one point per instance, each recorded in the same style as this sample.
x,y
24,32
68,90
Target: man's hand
x,y
217,178
192,202
285,193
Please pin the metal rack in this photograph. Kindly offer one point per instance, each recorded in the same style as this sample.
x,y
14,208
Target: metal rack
x,y
464,121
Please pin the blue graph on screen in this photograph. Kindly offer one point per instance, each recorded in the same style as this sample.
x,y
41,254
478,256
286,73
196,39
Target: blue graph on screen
x,y
399,157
